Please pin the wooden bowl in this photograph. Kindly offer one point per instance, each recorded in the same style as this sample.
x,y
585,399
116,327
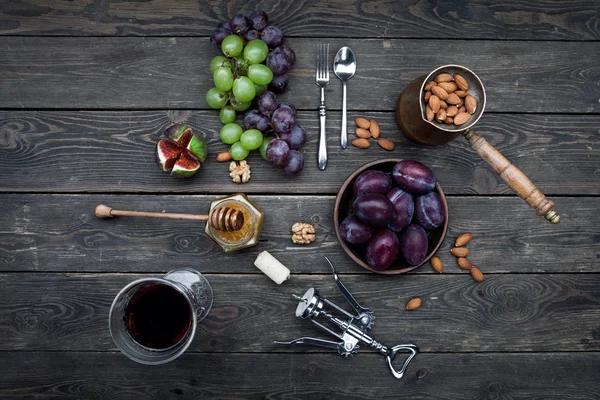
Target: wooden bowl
x,y
342,209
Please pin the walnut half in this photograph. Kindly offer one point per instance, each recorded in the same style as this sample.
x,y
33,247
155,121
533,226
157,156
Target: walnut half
x,y
303,233
240,172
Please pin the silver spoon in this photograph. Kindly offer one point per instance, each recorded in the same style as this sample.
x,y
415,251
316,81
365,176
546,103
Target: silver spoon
x,y
344,67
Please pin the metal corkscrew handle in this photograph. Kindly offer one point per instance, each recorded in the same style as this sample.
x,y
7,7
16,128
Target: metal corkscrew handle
x,y
392,355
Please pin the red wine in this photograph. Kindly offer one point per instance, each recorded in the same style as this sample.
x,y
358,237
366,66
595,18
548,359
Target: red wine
x,y
158,316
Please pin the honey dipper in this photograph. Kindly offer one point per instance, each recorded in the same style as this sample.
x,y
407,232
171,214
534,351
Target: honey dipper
x,y
223,218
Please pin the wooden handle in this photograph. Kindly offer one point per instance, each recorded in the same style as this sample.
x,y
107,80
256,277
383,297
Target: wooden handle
x,y
103,211
514,178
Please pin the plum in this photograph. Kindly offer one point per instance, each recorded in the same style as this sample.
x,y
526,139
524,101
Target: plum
x,y
414,177
413,244
404,206
355,231
429,210
372,182
382,249
374,208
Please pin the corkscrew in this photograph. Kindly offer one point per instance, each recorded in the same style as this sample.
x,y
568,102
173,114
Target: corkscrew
x,y
353,330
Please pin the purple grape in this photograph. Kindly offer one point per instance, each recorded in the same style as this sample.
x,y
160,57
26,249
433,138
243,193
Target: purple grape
x,y
240,24
251,35
283,120
374,208
372,182
355,231
226,25
278,152
285,104
216,38
278,62
259,20
413,244
382,249
289,53
294,164
272,36
414,177
279,83
296,138
404,205
255,120
429,210
267,103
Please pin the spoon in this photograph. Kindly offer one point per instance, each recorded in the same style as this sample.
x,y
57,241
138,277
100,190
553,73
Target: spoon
x,y
344,67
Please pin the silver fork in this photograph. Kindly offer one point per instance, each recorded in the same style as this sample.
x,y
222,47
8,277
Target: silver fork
x,y
322,81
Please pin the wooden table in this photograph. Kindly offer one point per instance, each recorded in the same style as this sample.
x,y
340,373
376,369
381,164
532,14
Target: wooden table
x,y
86,87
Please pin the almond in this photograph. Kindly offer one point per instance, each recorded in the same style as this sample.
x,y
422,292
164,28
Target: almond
x,y
461,109
386,144
476,274
441,115
413,304
224,156
451,111
459,251
463,239
374,129
443,105
427,96
361,143
471,104
449,120
439,92
436,263
362,123
429,85
461,82
443,78
461,93
363,133
434,103
461,118
448,86
463,263
453,99
429,113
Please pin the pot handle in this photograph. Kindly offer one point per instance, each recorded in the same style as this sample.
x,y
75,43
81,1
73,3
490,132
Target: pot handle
x,y
514,178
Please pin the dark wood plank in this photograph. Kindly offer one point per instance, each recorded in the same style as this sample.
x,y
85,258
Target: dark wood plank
x,y
69,312
60,233
109,151
316,376
540,19
141,73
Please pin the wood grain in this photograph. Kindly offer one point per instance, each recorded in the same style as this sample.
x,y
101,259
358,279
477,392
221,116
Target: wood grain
x,y
60,233
113,151
143,73
505,313
539,19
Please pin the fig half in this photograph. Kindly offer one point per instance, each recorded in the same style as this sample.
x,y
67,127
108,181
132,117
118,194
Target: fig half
x,y
181,151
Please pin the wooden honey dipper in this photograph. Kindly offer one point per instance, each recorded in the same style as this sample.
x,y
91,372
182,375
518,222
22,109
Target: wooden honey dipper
x,y
223,218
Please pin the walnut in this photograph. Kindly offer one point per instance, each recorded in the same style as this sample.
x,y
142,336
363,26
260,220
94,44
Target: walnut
x,y
240,172
303,233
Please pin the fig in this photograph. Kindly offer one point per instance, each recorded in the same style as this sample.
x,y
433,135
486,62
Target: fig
x,y
181,151
355,231
374,208
404,205
414,177
372,182
429,210
413,244
382,249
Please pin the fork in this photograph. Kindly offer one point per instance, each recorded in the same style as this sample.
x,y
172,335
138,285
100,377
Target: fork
x,y
322,81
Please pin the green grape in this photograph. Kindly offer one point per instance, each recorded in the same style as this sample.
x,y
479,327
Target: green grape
x,y
251,139
227,115
232,46
243,89
240,105
216,98
260,89
238,152
223,78
230,133
260,74
263,148
256,51
217,62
